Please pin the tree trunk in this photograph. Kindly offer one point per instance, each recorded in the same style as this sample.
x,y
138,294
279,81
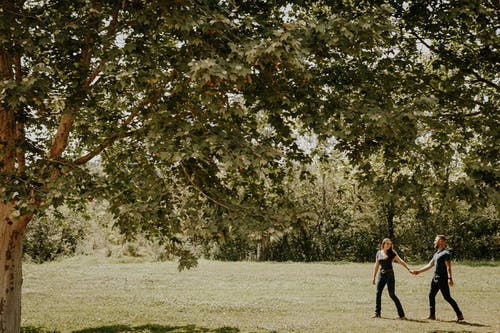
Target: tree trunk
x,y
11,280
389,214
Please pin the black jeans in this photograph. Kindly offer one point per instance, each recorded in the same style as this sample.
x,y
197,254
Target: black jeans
x,y
441,284
382,280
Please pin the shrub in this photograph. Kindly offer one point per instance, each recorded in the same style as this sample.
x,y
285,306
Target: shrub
x,y
53,235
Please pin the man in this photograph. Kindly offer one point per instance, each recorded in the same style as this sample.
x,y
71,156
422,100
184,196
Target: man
x,y
442,278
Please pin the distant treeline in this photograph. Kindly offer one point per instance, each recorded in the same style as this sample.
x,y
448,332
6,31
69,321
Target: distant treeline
x,y
340,236
342,239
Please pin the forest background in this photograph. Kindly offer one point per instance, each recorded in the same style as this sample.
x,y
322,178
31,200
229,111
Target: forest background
x,y
343,221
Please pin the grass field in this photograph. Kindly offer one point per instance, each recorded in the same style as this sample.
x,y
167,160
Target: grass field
x,y
93,294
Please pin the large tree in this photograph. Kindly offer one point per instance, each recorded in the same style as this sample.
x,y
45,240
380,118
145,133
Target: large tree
x,y
150,89
210,95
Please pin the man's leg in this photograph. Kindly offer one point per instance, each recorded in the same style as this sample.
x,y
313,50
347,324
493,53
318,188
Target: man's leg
x,y
445,290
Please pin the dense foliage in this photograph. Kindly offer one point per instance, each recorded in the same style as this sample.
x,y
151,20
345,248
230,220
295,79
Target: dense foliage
x,y
197,114
344,223
216,97
408,92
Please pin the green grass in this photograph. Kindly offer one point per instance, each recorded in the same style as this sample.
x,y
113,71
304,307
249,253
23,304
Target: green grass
x,y
93,294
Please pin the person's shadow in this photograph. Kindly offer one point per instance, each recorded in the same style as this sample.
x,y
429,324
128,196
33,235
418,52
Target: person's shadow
x,y
142,329
463,322
466,323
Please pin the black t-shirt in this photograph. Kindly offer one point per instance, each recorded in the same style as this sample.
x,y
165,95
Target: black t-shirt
x,y
385,260
440,259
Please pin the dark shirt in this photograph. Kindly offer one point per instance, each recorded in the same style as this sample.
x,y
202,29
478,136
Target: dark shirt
x,y
384,260
440,258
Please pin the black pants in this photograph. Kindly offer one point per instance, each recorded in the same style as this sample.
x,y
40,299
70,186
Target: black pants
x,y
382,281
441,284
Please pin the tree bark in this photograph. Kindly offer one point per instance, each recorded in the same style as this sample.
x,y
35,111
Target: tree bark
x,y
11,279
389,214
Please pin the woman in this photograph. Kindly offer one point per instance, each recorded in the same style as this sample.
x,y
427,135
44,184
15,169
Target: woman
x,y
383,260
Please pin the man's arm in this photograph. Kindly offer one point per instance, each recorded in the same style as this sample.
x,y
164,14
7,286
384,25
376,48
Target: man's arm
x,y
448,268
425,268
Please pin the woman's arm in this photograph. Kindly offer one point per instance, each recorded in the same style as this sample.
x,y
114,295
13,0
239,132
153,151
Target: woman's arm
x,y
403,263
375,270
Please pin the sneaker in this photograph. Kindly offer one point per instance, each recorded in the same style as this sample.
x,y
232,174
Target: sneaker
x,y
459,318
431,317
376,315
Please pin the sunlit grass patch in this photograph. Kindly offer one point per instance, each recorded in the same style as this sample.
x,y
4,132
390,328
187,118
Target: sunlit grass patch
x,y
89,294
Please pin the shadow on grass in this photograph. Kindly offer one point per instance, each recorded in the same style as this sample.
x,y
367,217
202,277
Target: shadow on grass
x,y
466,323
415,320
462,323
445,331
426,321
32,329
472,324
139,329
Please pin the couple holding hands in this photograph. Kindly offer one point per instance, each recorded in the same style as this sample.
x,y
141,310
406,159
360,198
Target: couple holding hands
x,y
383,275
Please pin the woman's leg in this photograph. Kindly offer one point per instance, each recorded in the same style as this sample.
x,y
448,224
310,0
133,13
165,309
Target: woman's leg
x,y
391,286
381,281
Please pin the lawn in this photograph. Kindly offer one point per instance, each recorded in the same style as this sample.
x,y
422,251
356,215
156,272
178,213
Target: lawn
x,y
93,294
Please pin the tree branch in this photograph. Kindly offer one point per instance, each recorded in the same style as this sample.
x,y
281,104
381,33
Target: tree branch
x,y
20,154
111,33
97,150
483,80
61,137
20,134
60,141
467,70
200,190
116,136
93,75
7,119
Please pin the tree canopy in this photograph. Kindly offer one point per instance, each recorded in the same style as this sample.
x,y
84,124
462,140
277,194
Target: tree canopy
x,y
214,96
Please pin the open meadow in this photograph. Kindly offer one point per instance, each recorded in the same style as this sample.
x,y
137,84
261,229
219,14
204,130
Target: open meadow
x,y
105,295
